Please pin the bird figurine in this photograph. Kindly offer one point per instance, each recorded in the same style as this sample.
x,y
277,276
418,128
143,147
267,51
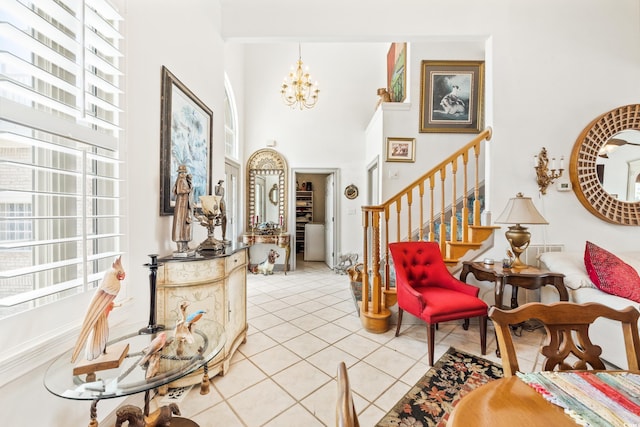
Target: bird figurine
x,y
95,327
152,356
193,318
181,332
184,326
154,347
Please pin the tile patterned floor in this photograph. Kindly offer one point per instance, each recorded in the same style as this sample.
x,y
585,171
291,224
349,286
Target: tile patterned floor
x,y
300,326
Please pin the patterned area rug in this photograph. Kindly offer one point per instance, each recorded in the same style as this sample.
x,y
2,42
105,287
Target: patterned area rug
x,y
432,399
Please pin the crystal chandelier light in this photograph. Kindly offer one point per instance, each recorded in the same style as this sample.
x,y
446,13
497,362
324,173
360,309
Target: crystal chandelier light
x,y
297,88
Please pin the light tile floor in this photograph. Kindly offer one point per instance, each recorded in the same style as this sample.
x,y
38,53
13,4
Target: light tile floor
x,y
301,325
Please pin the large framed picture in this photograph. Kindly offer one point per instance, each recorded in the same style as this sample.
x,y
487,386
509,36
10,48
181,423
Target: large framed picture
x,y
186,126
401,149
452,96
397,71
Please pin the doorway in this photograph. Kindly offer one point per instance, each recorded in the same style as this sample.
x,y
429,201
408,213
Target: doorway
x,y
314,234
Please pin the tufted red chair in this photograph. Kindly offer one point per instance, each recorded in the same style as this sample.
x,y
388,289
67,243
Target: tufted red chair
x,y
427,290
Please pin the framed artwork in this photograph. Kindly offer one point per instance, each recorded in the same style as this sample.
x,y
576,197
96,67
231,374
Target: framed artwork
x,y
186,125
401,149
452,96
397,71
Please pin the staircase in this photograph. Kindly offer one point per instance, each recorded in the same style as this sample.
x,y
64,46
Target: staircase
x,y
446,214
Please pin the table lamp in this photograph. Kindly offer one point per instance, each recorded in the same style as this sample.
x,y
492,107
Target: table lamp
x,y
519,210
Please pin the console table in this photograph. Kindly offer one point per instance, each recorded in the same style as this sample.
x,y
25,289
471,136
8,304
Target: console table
x,y
129,377
282,240
215,283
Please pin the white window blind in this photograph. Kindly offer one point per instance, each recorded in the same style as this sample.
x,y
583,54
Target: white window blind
x,y
60,101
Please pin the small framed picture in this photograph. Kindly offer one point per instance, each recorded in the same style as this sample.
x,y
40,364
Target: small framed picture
x,y
401,149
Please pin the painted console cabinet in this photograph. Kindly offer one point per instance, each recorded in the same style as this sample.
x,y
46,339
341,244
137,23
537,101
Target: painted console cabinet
x,y
214,283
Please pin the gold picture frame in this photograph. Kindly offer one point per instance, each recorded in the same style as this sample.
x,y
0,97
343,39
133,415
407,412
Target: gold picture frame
x,y
451,96
401,149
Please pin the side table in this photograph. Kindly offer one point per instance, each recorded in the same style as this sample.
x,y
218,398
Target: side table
x,y
129,377
528,278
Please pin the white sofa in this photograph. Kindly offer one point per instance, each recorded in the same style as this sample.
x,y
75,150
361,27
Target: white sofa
x,y
605,333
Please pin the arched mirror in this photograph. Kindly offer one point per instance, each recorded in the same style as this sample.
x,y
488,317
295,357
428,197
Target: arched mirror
x,y
266,189
605,166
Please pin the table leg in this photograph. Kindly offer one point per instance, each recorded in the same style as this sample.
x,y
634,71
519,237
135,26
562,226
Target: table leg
x,y
514,297
93,414
498,292
287,250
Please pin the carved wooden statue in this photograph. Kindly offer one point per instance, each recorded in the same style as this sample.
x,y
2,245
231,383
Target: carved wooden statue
x,y
161,417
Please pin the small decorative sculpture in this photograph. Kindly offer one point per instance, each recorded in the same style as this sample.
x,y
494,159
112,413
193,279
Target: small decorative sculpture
x,y
344,262
182,232
219,191
161,417
184,326
266,266
210,218
95,327
384,96
151,358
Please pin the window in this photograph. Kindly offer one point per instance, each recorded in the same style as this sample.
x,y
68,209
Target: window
x,y
59,157
230,122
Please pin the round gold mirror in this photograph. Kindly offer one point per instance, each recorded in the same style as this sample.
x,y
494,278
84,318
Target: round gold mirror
x,y
591,159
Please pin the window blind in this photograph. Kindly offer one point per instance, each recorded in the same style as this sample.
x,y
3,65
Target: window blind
x,y
60,168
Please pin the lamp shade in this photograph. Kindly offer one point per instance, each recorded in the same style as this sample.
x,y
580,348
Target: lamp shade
x,y
520,210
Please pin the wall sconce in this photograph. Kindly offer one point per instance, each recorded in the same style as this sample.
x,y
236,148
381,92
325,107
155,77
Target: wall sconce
x,y
544,175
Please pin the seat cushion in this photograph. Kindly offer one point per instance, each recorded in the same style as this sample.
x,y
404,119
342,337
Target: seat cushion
x,y
611,274
444,304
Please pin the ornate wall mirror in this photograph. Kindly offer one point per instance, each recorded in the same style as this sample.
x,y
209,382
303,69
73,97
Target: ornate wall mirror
x,y
266,189
273,195
605,166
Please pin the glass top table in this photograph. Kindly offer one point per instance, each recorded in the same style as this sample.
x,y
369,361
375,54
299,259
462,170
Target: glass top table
x,y
178,358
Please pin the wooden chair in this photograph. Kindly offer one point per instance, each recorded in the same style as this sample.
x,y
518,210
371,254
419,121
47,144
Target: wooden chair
x,y
426,289
567,326
346,415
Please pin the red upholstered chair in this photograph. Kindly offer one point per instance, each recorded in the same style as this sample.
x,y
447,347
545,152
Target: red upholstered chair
x,y
427,290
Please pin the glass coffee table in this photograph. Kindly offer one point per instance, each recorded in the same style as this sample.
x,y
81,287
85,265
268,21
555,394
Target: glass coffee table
x,y
176,360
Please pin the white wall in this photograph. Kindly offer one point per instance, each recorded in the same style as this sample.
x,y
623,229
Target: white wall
x,y
331,135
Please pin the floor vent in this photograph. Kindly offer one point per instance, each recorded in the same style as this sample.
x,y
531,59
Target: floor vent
x,y
175,395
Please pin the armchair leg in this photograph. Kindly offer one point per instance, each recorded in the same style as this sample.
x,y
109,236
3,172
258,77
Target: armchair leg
x,y
483,334
400,311
431,332
465,325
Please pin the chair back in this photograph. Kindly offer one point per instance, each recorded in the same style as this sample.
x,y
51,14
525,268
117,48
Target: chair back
x,y
346,415
419,263
567,345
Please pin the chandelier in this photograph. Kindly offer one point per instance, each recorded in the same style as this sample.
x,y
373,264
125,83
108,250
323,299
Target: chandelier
x,y
297,88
